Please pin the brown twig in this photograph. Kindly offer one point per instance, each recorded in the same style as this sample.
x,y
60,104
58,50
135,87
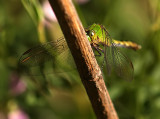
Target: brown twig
x,y
83,55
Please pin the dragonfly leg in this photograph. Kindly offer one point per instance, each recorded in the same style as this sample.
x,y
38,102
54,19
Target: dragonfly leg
x,y
98,49
99,53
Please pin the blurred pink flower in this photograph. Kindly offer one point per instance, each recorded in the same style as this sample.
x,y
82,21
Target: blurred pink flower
x,y
48,12
17,86
17,114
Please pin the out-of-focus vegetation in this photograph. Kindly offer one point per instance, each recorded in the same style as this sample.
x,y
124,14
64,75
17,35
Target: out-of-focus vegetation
x,y
27,23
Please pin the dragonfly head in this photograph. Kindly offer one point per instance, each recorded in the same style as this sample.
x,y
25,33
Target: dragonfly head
x,y
90,34
94,33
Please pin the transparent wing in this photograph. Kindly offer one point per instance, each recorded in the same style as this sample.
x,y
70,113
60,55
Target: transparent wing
x,y
117,61
50,57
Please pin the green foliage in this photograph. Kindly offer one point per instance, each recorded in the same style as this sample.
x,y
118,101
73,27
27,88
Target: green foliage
x,y
24,25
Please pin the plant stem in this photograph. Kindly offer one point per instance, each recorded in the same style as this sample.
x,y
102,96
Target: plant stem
x,y
83,55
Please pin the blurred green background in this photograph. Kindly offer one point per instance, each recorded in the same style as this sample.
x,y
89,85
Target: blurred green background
x,y
27,23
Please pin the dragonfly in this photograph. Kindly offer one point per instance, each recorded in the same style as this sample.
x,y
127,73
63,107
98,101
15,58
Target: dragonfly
x,y
102,44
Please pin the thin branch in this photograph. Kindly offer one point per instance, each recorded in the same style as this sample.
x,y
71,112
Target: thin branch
x,y
83,55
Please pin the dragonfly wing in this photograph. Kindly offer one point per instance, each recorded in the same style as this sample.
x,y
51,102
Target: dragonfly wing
x,y
53,55
117,61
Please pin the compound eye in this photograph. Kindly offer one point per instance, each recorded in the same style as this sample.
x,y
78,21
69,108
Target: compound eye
x,y
92,33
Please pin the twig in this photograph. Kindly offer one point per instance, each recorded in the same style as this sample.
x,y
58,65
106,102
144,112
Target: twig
x,y
83,55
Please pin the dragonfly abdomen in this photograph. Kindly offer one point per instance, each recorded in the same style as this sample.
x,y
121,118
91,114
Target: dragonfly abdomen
x,y
127,44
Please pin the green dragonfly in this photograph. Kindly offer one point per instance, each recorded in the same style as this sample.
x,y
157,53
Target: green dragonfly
x,y
103,45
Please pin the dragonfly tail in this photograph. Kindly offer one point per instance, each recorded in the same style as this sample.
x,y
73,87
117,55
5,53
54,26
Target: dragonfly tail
x,y
127,44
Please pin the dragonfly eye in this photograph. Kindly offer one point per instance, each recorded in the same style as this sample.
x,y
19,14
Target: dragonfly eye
x,y
92,33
